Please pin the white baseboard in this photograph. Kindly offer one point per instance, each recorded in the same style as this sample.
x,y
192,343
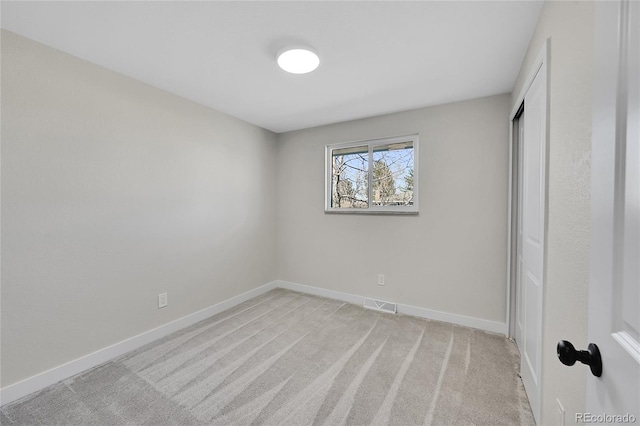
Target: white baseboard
x,y
481,324
40,381
317,291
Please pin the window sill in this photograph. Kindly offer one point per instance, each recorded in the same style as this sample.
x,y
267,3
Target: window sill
x,y
374,212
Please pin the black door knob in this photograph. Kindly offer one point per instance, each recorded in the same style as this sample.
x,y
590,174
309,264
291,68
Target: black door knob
x,y
568,355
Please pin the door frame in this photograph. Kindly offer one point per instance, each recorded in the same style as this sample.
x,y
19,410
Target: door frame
x,y
514,219
539,65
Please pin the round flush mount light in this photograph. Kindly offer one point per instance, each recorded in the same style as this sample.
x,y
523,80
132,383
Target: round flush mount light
x,y
298,60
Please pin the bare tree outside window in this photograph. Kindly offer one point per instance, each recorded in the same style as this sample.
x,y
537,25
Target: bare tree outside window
x,y
373,176
350,171
392,165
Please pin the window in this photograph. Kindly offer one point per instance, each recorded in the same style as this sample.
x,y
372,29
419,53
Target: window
x,y
376,176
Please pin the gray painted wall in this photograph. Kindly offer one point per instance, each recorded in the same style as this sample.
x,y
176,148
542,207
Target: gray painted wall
x,y
570,27
451,257
112,192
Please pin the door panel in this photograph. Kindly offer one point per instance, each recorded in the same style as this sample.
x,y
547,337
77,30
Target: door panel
x,y
531,352
629,293
614,287
520,302
533,207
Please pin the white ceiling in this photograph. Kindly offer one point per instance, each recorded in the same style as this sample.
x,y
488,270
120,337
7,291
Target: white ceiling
x,y
376,57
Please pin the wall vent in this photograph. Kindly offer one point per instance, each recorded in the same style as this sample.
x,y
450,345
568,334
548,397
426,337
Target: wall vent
x,y
380,305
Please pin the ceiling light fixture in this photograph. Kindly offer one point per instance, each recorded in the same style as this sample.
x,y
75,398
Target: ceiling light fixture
x,y
298,60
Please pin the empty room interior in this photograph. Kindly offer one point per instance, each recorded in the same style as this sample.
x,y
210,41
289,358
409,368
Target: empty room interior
x,y
317,212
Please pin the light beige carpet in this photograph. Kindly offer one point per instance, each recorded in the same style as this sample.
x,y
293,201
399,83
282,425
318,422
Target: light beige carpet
x,y
286,358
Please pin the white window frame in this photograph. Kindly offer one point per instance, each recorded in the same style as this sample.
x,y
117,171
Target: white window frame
x,y
371,143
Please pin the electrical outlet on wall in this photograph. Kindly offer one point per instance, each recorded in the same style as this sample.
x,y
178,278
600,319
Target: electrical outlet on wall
x,y
163,300
380,279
